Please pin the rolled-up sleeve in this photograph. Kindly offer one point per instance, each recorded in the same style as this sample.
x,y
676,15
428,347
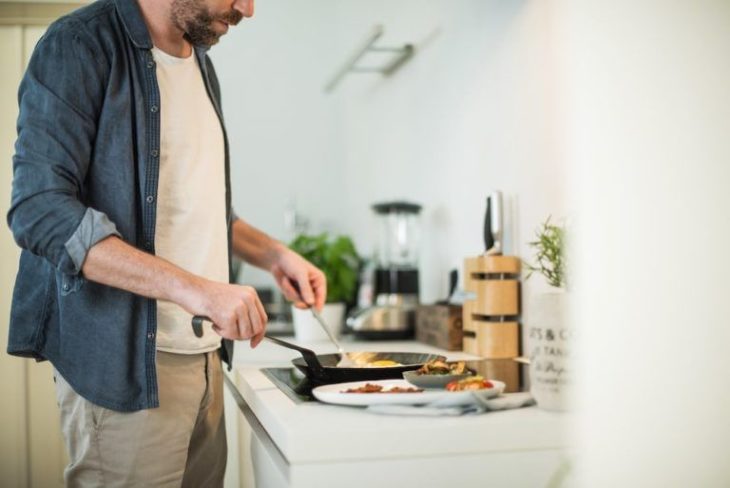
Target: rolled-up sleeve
x,y
60,97
94,227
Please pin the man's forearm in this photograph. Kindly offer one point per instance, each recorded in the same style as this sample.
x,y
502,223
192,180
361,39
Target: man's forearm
x,y
235,310
115,263
255,247
299,280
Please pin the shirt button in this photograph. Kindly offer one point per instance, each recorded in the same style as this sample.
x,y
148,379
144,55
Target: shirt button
x,y
150,335
154,153
150,199
150,64
66,287
153,109
148,244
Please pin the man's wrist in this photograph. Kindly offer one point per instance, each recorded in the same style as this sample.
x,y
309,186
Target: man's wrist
x,y
275,254
185,290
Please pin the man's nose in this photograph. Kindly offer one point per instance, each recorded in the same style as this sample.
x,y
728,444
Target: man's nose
x,y
244,6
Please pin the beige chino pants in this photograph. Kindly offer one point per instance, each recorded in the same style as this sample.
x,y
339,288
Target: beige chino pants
x,y
181,443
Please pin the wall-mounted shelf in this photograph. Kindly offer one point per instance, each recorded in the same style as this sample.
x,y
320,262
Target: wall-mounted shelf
x,y
400,56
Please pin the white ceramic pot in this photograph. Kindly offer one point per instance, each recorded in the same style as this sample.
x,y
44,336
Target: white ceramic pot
x,y
307,329
549,347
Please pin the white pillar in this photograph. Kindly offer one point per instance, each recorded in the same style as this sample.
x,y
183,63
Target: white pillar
x,y
646,97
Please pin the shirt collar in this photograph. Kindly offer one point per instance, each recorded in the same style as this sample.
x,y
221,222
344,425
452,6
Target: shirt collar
x,y
137,29
133,21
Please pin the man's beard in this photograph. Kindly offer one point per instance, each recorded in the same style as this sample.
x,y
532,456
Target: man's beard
x,y
194,19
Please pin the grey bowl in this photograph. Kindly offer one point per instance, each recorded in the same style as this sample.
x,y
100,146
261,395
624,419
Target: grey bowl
x,y
432,380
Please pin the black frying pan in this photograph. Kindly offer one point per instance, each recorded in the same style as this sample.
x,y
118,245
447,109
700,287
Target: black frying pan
x,y
322,368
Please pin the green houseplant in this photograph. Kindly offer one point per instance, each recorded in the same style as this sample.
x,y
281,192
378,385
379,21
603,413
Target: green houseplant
x,y
548,334
338,259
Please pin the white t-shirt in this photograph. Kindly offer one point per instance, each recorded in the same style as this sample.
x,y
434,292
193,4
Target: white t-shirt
x,y
191,230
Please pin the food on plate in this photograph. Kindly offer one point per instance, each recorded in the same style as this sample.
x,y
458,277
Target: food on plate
x,y
367,388
371,388
402,389
471,383
438,366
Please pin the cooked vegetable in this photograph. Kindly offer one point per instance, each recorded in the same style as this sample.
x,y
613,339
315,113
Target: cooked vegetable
x,y
472,383
442,367
459,368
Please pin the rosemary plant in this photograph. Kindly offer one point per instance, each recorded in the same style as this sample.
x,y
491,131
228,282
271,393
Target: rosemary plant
x,y
549,254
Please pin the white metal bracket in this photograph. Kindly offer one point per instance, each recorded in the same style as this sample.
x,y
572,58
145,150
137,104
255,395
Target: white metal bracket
x,y
401,55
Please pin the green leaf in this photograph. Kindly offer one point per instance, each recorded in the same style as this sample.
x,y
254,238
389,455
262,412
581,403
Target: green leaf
x,y
337,258
549,249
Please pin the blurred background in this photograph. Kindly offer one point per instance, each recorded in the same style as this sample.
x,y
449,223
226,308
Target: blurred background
x,y
471,111
610,116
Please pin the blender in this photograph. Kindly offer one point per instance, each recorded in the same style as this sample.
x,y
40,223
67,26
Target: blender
x,y
395,277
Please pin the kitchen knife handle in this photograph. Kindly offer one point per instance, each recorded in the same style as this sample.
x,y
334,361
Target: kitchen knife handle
x,y
453,281
497,226
488,238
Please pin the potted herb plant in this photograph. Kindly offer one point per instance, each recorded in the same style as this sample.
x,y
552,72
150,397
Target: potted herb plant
x,y
548,337
339,261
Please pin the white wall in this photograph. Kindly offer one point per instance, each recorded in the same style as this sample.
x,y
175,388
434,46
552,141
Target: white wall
x,y
280,126
470,113
647,124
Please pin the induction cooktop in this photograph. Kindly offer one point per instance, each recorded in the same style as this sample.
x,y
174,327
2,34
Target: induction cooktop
x,y
292,382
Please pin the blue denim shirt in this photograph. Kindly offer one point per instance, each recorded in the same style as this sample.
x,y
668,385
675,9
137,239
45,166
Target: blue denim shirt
x,y
86,167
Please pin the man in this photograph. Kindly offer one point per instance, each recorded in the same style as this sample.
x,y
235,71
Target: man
x,y
121,203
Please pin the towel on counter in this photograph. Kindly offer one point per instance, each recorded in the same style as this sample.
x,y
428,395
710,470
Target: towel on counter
x,y
503,402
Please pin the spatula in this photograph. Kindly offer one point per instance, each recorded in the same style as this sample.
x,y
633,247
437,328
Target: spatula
x,y
345,361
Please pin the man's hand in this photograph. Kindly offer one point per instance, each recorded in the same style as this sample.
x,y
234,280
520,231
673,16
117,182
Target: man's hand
x,y
288,267
291,268
235,310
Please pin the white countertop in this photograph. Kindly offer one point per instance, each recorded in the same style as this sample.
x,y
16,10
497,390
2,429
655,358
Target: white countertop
x,y
314,432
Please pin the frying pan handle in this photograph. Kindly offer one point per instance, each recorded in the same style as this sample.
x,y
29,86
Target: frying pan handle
x,y
198,324
309,357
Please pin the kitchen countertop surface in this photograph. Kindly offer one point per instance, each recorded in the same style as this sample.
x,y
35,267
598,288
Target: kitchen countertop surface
x,y
314,432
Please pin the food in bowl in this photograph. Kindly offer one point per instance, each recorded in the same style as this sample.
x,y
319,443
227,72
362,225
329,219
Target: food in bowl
x,y
440,367
471,383
371,388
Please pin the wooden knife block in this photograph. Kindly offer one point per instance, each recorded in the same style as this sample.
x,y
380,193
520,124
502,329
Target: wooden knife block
x,y
491,320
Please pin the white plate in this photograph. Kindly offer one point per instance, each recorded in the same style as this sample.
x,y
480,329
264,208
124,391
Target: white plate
x,y
438,398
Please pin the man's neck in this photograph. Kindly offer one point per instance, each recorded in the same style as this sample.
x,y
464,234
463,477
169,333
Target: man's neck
x,y
165,35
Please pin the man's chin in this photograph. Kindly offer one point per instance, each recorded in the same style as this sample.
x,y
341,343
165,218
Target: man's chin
x,y
206,41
